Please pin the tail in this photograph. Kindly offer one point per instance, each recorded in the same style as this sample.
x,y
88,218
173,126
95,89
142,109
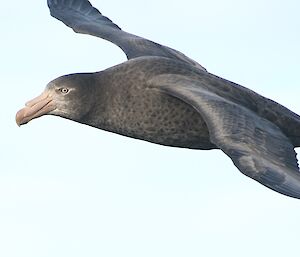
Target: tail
x,y
292,128
295,140
285,119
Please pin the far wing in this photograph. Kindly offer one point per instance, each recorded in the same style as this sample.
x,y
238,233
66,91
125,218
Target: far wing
x,y
256,146
83,18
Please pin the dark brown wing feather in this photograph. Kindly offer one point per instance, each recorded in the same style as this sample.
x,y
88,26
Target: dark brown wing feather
x,y
257,147
83,18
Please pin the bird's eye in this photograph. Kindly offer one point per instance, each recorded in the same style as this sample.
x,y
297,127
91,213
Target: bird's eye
x,y
64,90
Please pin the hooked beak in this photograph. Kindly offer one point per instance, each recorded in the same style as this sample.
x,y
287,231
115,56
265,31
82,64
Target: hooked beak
x,y
41,105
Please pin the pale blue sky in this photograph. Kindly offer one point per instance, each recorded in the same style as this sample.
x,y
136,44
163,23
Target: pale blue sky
x,y
70,190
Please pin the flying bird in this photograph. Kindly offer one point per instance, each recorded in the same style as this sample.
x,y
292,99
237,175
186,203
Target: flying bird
x,y
164,97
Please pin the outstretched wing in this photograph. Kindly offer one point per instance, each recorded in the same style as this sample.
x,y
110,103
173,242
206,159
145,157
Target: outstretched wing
x,y
83,18
256,146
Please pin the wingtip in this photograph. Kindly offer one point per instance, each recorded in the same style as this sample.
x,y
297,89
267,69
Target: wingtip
x,y
289,184
291,187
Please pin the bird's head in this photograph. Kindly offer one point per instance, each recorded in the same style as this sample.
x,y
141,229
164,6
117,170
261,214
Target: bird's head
x,y
69,96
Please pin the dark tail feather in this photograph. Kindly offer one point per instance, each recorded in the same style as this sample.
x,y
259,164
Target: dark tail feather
x,y
295,140
285,119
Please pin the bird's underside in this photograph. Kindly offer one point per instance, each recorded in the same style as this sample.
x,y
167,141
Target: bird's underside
x,y
258,134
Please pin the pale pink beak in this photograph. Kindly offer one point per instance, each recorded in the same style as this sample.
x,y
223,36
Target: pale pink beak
x,y
41,105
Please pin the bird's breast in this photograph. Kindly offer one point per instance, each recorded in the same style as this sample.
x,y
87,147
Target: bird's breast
x,y
156,117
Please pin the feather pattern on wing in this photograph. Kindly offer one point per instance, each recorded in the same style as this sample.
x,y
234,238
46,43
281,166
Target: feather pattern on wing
x,y
83,18
256,146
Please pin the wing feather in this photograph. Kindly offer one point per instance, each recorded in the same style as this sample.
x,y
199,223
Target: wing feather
x,y
257,147
83,18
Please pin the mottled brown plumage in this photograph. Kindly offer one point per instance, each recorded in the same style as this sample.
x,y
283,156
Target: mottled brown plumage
x,y
162,96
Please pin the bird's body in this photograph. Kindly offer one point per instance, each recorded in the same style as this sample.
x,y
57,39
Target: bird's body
x,y
162,96
126,101
128,104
